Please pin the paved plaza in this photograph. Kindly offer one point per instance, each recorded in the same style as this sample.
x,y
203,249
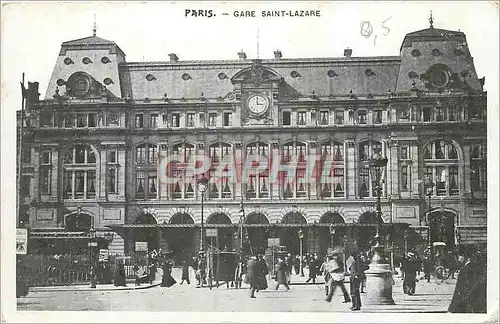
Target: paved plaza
x,y
429,298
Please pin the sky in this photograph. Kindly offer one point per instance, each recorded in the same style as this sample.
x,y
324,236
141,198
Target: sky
x,y
32,33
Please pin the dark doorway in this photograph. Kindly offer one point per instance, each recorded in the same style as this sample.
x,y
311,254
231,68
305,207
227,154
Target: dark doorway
x,y
181,239
443,228
326,234
78,222
146,234
289,235
257,236
224,234
367,233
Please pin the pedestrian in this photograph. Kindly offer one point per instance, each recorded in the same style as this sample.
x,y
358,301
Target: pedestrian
x,y
262,273
296,264
364,266
326,274
470,289
312,270
238,274
185,273
152,271
410,267
201,270
120,275
427,268
355,280
335,270
282,271
251,277
167,280
289,264
137,274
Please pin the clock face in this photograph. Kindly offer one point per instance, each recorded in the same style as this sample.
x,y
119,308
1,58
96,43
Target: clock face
x,y
258,104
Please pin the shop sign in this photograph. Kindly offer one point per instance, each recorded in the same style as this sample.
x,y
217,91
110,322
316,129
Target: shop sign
x,y
141,246
211,232
273,242
21,240
103,255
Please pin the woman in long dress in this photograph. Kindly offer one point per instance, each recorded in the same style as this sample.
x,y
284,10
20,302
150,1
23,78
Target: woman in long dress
x,y
282,271
167,280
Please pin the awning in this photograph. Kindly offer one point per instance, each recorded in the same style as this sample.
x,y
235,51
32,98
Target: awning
x,y
198,225
59,235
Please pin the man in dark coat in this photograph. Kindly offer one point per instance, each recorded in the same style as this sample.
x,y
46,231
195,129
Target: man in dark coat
x,y
410,267
355,280
185,273
282,271
120,275
313,269
335,270
470,290
262,272
251,277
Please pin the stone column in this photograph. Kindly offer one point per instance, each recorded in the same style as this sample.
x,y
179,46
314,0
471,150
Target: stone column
x,y
415,166
162,173
351,166
393,168
102,172
122,167
54,184
313,147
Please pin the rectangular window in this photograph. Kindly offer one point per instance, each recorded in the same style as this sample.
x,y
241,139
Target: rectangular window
x,y
263,187
112,183
152,156
439,114
140,156
113,157
152,185
90,184
252,186
453,181
301,118
25,186
301,184
139,121
189,187
364,182
404,152
212,119
46,157
79,184
362,117
226,185
339,117
67,184
45,177
140,184
404,114
153,120
47,119
338,152
287,118
377,116
427,114
164,118
26,153
404,178
338,182
176,120
452,114
190,120
81,120
69,121
440,181
92,120
324,117
176,190
228,119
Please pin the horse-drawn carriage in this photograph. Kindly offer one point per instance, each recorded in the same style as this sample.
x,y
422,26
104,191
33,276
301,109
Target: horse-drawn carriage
x,y
218,266
444,263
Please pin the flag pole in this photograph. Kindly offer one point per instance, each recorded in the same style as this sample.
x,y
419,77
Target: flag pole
x,y
20,155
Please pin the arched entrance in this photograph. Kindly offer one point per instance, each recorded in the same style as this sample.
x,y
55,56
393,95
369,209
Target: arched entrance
x,y
442,228
289,235
257,235
78,222
146,234
331,236
224,234
182,238
365,234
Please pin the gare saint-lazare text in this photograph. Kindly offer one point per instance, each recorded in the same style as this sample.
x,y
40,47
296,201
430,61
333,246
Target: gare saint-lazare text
x,y
253,13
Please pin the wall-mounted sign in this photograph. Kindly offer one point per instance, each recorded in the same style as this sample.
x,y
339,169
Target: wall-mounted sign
x,y
21,240
273,242
211,232
141,246
103,255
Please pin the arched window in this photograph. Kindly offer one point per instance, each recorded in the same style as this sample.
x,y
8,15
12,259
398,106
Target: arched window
x,y
146,182
257,185
79,177
333,169
300,187
183,187
367,150
441,166
294,218
220,184
478,163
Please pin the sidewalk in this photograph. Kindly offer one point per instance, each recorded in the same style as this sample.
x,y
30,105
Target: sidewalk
x,y
101,287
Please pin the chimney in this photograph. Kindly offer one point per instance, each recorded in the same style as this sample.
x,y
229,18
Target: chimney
x,y
277,54
348,52
173,57
242,55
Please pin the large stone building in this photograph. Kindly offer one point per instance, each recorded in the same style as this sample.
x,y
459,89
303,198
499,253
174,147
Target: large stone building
x,y
92,147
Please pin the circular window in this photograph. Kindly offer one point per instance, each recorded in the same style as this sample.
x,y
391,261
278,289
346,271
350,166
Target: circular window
x,y
61,82
332,73
107,81
439,78
222,76
294,74
150,77
105,60
436,52
185,76
68,61
86,60
458,52
80,85
415,53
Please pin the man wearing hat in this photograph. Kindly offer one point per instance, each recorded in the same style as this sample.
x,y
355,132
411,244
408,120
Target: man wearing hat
x,y
470,290
335,270
410,267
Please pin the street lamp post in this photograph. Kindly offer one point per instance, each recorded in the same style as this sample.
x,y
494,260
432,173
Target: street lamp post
x,y
429,186
202,187
301,237
242,219
332,233
379,275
